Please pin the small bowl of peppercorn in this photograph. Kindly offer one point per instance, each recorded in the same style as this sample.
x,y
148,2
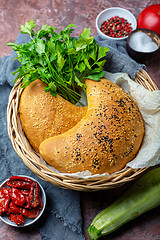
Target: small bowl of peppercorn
x,y
115,23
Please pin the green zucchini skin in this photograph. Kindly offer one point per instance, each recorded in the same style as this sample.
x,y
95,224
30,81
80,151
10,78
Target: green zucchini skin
x,y
142,196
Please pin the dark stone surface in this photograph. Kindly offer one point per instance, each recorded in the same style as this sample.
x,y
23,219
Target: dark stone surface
x,y
59,13
145,227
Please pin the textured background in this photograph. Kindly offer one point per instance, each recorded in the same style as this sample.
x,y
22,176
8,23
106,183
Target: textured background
x,y
58,13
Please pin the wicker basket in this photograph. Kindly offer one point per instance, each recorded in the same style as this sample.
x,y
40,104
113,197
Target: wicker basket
x,y
32,160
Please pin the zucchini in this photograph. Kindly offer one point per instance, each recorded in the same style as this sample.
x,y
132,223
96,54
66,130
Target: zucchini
x,y
142,196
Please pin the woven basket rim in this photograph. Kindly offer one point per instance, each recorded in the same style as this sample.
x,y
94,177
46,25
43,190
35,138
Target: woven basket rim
x,y
32,160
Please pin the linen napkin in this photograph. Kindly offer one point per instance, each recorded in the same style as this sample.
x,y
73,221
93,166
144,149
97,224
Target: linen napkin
x,y
62,216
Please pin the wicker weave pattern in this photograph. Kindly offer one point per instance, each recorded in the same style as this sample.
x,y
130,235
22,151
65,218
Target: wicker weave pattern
x,y
32,159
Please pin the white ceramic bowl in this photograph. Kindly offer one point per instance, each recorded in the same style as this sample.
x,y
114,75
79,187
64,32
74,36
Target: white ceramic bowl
x,y
28,221
112,12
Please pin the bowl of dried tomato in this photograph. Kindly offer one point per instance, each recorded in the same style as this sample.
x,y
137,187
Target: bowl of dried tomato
x,y
22,201
115,23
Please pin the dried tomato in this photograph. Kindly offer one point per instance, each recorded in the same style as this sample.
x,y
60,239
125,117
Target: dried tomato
x,y
19,182
4,200
17,218
27,203
17,197
34,194
40,204
30,213
13,209
25,191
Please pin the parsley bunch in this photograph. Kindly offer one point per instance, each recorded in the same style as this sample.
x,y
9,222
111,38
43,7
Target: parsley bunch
x,y
61,61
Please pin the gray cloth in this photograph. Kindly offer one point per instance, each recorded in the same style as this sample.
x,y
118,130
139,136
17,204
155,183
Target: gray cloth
x,y
62,216
118,59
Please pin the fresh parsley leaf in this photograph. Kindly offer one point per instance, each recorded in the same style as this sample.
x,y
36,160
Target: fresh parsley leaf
x,y
58,59
86,33
102,52
28,28
40,47
96,77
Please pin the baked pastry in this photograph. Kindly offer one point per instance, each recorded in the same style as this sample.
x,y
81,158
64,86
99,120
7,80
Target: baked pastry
x,y
105,139
43,115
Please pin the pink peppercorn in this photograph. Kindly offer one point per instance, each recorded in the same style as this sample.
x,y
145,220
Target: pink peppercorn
x,y
116,27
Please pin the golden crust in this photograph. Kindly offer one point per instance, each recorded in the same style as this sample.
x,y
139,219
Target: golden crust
x,y
43,115
105,139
